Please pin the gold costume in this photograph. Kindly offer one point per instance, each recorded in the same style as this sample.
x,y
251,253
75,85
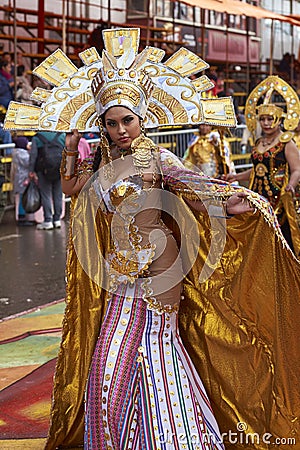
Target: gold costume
x,y
212,159
238,316
269,177
271,171
296,199
238,325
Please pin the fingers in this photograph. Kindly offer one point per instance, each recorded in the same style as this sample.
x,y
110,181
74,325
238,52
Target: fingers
x,y
73,138
76,133
290,188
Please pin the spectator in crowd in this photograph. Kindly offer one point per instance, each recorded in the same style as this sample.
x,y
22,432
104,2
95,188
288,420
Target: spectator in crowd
x,y
20,178
84,149
46,170
95,38
284,65
6,56
5,135
137,281
6,84
171,35
24,88
287,68
220,85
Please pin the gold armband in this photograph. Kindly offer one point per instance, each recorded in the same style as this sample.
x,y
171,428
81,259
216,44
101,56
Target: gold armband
x,y
69,164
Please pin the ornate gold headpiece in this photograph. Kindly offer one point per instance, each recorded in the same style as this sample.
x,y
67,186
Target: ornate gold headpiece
x,y
266,89
161,93
120,81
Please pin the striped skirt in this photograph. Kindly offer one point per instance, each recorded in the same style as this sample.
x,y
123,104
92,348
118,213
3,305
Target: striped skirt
x,y
143,393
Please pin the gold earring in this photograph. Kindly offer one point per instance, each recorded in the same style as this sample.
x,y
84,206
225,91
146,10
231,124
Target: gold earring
x,y
108,168
141,149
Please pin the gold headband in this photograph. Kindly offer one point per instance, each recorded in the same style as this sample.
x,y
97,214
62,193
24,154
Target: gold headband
x,y
271,110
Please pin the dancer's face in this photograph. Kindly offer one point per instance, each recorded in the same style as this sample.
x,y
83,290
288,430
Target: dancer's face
x,y
122,125
204,129
267,123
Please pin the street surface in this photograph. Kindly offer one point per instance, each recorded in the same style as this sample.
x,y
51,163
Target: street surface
x,y
32,265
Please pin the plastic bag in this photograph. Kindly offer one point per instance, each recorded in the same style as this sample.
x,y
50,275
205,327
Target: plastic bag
x,y
31,198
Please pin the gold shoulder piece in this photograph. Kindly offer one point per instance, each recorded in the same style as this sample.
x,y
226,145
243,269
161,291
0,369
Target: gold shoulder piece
x,y
186,63
203,83
20,116
89,56
40,94
56,68
287,136
219,111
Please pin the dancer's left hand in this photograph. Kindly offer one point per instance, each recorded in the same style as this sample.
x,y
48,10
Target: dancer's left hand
x,y
238,204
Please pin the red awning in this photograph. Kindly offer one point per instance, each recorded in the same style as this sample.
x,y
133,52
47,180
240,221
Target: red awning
x,y
237,7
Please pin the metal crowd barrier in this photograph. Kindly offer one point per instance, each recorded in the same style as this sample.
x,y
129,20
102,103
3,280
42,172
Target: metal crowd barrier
x,y
176,140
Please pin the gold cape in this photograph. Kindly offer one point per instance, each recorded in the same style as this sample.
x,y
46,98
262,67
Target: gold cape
x,y
239,327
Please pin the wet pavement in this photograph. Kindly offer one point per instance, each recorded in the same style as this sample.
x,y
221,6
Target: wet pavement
x,y
32,265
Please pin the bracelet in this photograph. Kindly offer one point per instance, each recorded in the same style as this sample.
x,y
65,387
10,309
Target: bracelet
x,y
70,152
69,164
228,216
219,212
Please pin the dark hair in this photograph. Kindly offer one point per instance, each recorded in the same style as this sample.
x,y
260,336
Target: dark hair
x,y
4,64
20,70
21,141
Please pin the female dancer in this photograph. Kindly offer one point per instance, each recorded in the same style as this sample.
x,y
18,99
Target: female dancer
x,y
143,391
150,252
276,164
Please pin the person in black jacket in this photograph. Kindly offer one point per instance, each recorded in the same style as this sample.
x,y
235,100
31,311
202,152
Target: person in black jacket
x,y
48,177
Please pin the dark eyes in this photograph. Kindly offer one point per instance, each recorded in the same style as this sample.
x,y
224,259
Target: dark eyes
x,y
128,119
113,123
110,124
266,118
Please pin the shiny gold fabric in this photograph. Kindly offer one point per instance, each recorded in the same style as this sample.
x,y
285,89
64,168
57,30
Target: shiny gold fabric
x,y
85,307
293,220
242,333
240,327
211,159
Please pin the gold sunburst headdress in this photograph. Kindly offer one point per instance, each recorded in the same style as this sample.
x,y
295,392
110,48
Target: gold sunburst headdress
x,y
160,93
271,85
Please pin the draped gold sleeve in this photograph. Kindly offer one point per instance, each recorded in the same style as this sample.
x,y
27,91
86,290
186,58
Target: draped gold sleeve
x,y
240,329
239,324
85,308
238,319
293,217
